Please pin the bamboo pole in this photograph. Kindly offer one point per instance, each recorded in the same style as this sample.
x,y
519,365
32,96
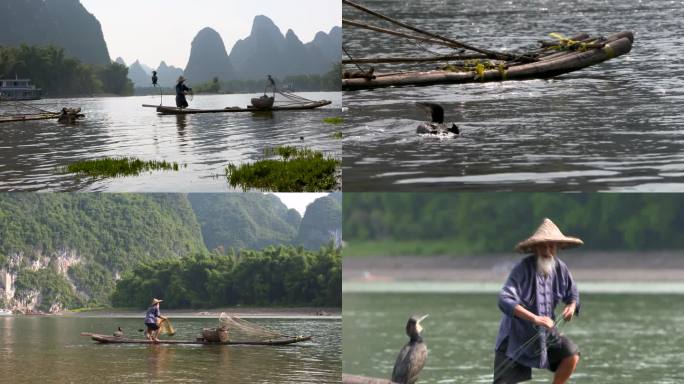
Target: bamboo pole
x,y
354,23
380,60
489,53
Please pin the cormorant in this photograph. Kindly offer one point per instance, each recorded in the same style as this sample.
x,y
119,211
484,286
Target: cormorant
x,y
118,332
413,356
436,124
154,78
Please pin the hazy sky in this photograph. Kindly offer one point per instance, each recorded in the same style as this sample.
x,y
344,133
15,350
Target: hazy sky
x,y
155,30
299,201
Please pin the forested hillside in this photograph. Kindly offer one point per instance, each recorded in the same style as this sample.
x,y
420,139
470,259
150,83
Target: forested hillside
x,y
495,222
62,23
319,223
275,276
58,74
68,250
240,220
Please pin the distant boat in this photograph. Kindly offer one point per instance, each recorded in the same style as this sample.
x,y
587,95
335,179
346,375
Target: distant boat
x,y
5,312
19,89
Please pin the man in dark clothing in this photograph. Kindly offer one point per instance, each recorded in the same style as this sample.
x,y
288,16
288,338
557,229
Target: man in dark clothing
x,y
528,337
181,89
152,317
154,78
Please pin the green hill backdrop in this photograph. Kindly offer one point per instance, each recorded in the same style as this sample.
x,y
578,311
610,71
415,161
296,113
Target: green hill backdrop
x,y
476,223
67,250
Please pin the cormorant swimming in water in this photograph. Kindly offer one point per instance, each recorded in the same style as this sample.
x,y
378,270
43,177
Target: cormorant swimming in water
x,y
413,356
436,124
118,332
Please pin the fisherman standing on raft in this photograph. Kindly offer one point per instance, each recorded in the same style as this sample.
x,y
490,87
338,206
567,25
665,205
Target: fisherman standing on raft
x,y
152,320
181,89
528,337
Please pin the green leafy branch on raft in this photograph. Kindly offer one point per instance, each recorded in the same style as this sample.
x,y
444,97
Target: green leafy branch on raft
x,y
478,67
115,167
567,44
292,170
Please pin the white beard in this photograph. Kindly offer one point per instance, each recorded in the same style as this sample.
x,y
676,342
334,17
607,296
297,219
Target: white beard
x,y
545,266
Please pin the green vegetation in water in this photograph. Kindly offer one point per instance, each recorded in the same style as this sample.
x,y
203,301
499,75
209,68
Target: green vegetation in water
x,y
113,167
293,170
337,135
333,120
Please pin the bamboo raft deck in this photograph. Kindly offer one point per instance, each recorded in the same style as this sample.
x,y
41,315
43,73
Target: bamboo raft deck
x,y
554,64
167,110
356,379
106,339
38,116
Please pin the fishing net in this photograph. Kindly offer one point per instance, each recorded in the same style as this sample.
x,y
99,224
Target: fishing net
x,y
287,99
241,329
166,327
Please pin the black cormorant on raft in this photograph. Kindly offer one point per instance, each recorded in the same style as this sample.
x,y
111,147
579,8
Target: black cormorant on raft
x,y
106,339
409,363
564,55
412,357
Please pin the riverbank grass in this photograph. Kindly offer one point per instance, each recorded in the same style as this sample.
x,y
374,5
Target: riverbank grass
x,y
407,248
115,167
286,169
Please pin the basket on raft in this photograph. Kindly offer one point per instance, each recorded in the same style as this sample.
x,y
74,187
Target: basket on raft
x,y
263,102
215,335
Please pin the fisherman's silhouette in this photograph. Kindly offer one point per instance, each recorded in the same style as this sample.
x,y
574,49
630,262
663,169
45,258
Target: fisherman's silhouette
x,y
154,78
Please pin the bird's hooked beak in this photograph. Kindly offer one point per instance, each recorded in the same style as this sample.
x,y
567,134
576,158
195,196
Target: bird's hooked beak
x,y
419,327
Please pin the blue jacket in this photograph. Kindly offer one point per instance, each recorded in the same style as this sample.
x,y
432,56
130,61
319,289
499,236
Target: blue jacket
x,y
538,295
151,315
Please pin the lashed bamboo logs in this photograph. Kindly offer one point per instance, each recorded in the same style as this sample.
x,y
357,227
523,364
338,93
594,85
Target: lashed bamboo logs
x,y
616,45
354,379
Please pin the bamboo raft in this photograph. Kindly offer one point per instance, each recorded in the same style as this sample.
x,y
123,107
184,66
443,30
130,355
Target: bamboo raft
x,y
106,339
69,116
548,66
552,58
37,116
166,110
356,379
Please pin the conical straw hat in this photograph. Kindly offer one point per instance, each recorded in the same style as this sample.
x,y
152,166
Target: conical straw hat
x,y
548,232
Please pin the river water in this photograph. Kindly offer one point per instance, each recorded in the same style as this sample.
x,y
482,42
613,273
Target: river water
x,y
615,126
635,338
32,152
50,350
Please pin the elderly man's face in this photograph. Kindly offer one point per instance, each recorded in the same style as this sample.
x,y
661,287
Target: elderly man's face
x,y
546,250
